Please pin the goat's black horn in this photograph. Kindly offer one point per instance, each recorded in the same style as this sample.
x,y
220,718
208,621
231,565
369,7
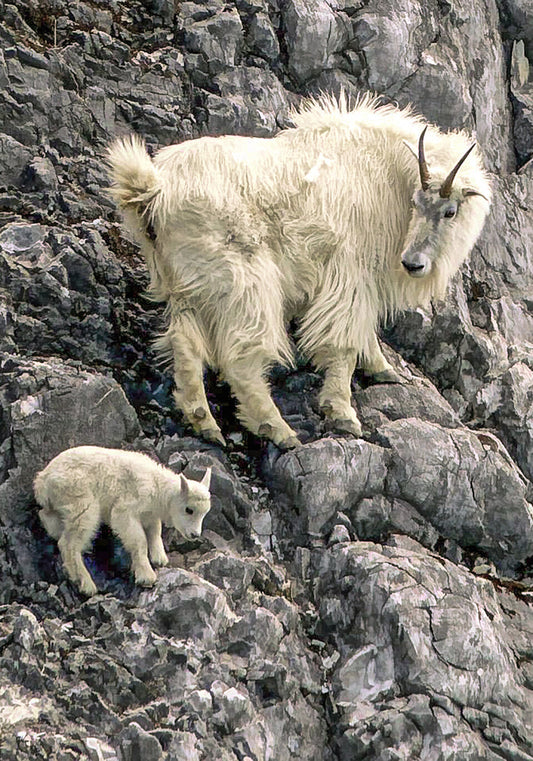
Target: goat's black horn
x,y
422,164
446,187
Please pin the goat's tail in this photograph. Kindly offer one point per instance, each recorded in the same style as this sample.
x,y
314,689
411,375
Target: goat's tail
x,y
52,522
135,178
40,490
50,519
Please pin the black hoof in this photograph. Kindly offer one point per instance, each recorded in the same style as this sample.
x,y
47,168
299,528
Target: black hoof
x,y
214,436
292,442
385,376
345,425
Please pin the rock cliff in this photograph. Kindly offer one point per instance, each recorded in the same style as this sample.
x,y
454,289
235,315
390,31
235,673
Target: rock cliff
x,y
354,599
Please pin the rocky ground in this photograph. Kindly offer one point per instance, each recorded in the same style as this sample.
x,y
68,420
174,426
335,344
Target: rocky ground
x,y
354,599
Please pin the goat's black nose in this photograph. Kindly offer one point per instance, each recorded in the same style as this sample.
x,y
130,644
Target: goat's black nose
x,y
413,267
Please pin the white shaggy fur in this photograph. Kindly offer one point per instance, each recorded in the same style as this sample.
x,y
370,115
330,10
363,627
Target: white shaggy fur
x,y
241,234
85,486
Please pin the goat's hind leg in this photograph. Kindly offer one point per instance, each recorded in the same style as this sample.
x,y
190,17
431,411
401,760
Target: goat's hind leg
x,y
80,528
335,396
185,340
248,335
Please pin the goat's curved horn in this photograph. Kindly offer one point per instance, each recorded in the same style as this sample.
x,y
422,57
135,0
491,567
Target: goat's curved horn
x,y
446,187
422,165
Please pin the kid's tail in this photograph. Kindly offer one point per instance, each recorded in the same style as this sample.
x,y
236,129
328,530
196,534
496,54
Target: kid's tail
x,y
50,519
40,491
135,178
52,522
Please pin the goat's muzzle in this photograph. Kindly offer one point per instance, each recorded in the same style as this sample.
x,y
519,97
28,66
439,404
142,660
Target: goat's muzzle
x,y
417,265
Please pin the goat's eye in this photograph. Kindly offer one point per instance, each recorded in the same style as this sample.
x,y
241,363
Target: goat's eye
x,y
450,212
189,511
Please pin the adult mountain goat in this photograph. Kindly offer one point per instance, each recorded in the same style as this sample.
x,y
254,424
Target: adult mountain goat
x,y
333,222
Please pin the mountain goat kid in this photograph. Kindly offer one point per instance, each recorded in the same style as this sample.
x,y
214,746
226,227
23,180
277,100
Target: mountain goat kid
x,y
332,223
85,486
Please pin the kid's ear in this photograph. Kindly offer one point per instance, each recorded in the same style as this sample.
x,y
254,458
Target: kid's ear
x,y
206,480
184,485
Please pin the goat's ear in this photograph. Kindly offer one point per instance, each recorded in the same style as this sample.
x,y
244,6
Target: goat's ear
x,y
184,485
206,480
411,149
471,192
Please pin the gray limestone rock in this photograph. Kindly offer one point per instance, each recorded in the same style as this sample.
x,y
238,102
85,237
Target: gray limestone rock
x,y
329,612
137,745
414,397
420,478
262,38
314,33
218,38
231,573
15,159
312,483
468,491
186,606
433,621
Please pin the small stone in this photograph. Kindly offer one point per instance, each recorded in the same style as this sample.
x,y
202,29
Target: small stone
x,y
476,719
137,745
494,734
444,702
338,535
217,689
98,750
262,37
235,709
482,569
42,175
200,701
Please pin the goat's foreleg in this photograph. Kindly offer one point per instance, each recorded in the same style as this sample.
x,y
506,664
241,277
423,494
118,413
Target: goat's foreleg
x,y
335,396
156,550
376,366
132,535
187,344
257,411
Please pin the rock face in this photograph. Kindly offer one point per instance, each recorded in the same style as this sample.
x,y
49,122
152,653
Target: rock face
x,y
355,598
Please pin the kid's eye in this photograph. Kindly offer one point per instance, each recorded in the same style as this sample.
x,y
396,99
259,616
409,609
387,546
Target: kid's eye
x,y
189,511
450,212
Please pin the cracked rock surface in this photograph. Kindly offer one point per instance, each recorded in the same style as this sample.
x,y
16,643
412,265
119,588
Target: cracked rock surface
x,y
355,599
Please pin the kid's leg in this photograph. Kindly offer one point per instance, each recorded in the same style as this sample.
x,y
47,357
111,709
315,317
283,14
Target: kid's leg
x,y
156,550
78,532
131,533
